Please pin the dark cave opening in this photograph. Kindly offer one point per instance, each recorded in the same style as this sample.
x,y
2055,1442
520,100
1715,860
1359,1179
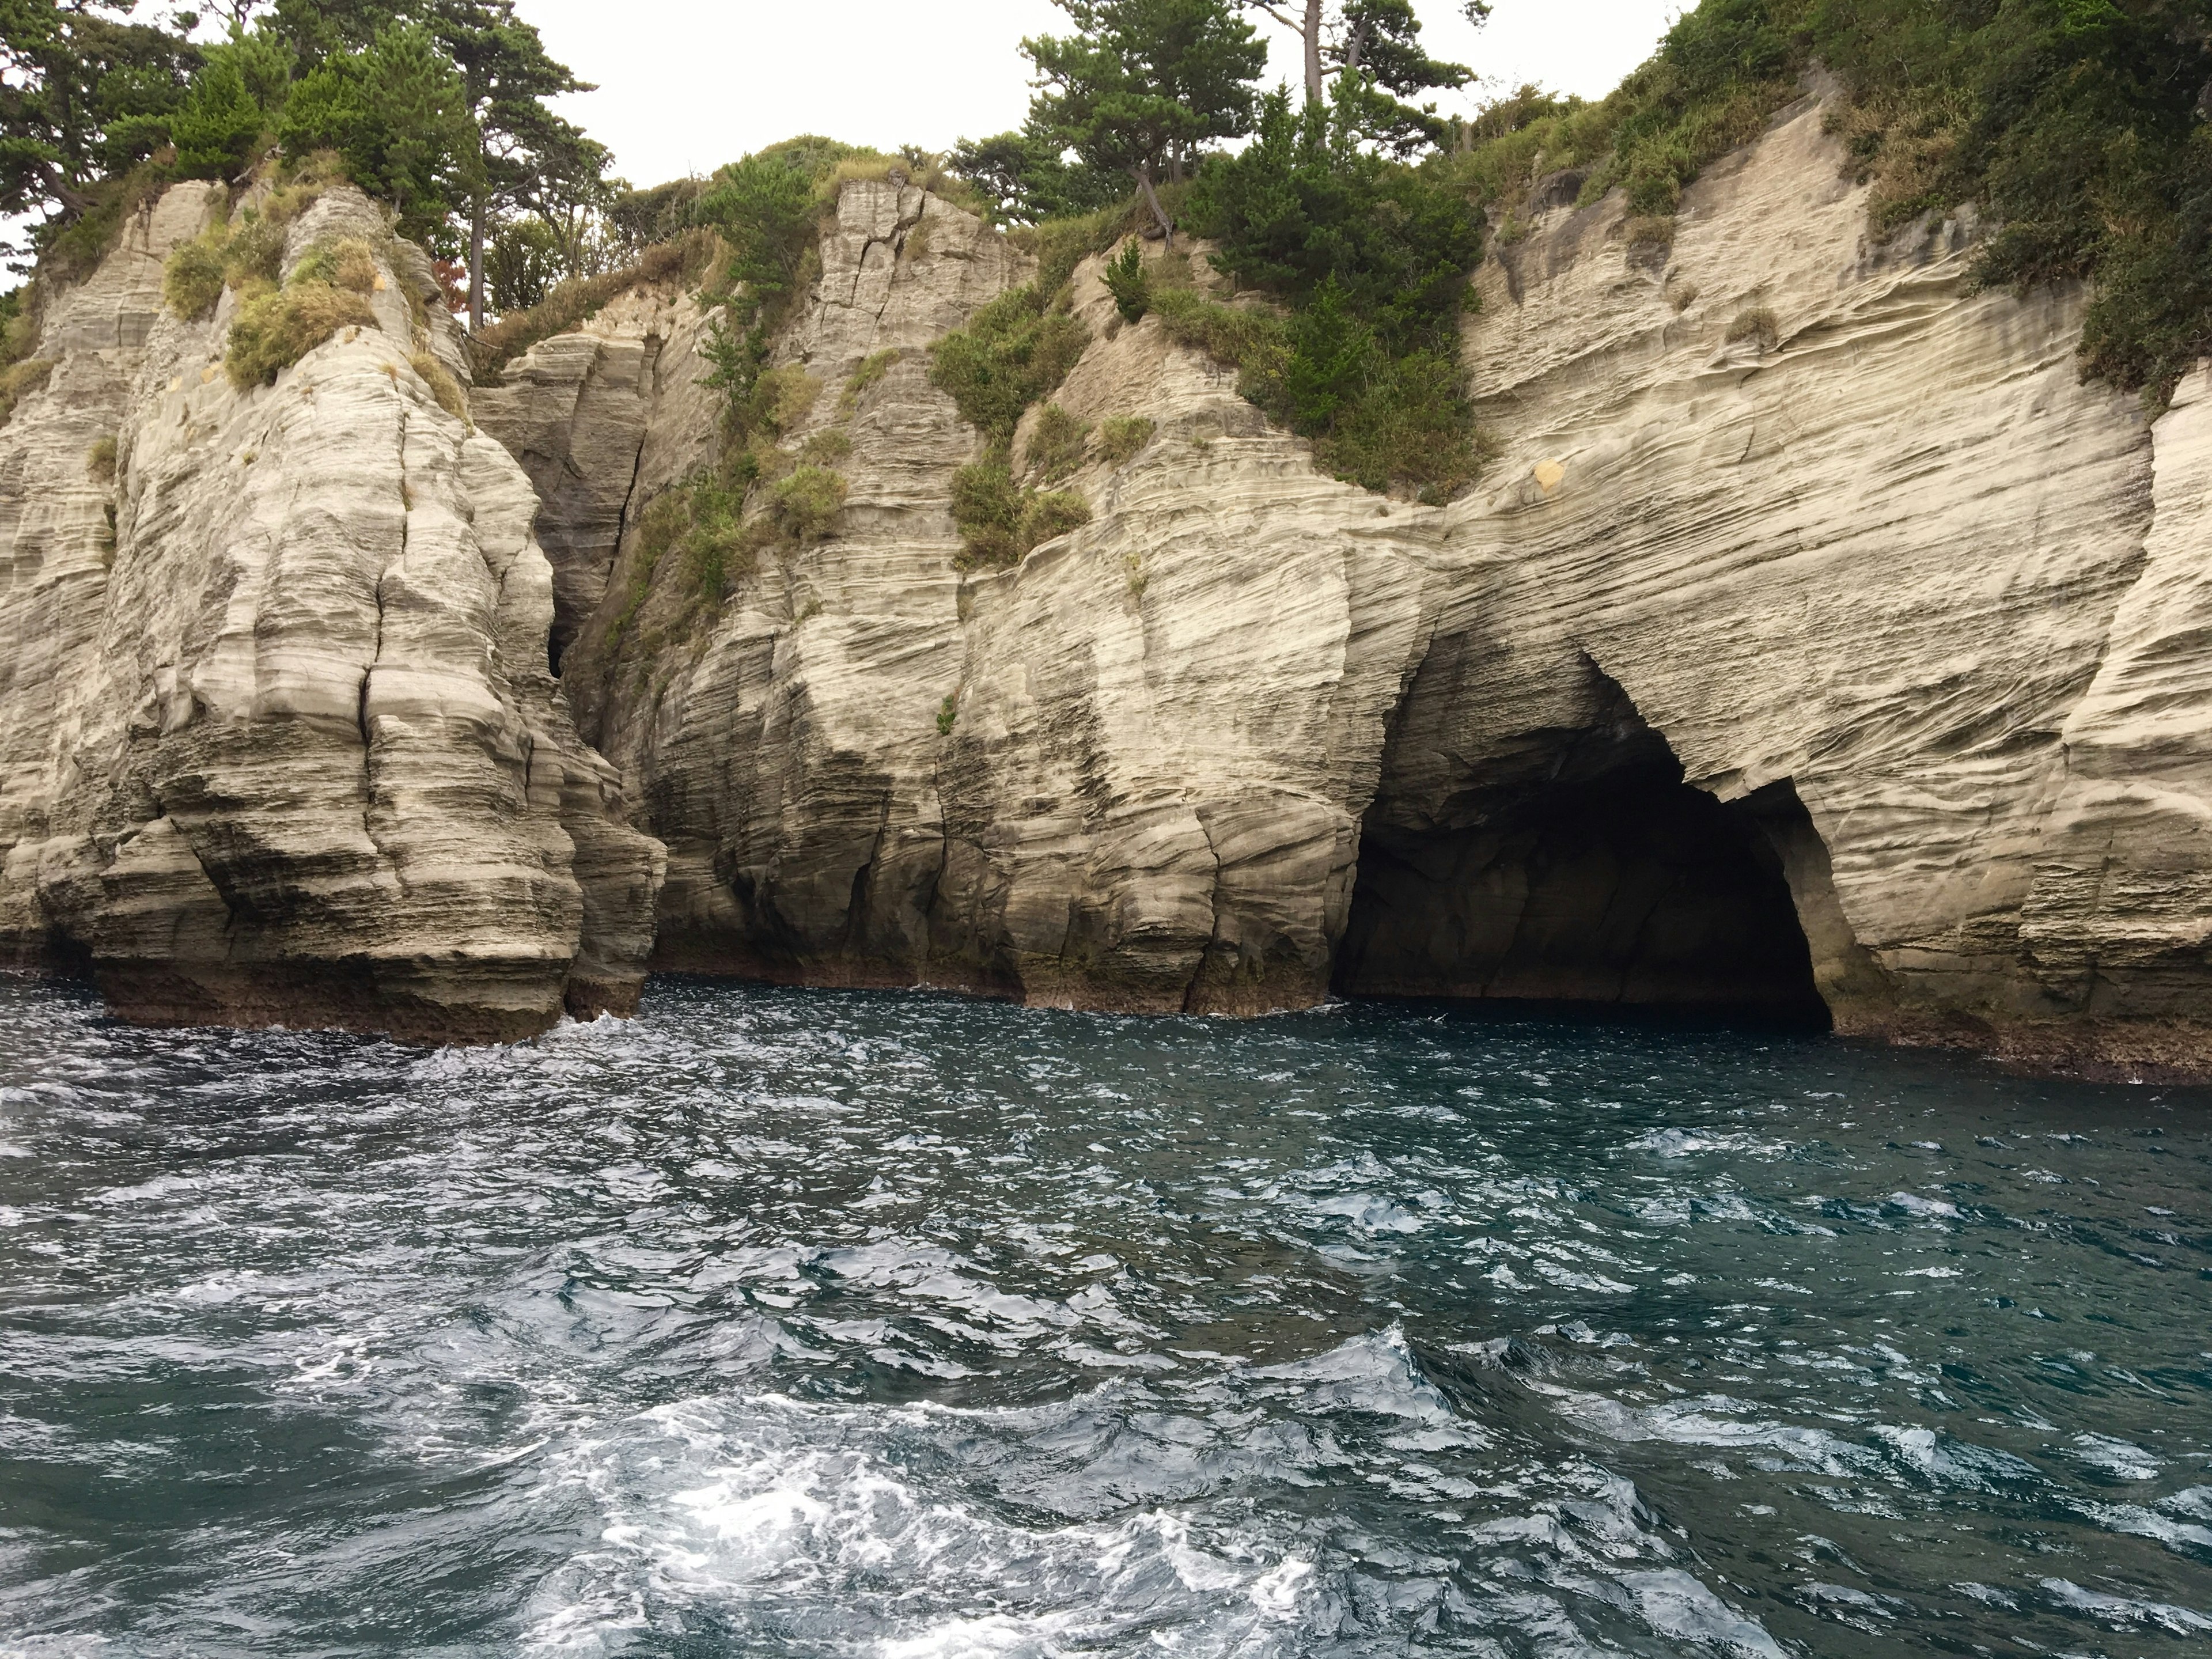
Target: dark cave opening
x,y
1593,878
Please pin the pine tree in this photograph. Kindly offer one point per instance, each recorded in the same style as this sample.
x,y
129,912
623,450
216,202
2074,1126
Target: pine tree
x,y
529,158
232,101
1377,43
1143,84
84,93
398,115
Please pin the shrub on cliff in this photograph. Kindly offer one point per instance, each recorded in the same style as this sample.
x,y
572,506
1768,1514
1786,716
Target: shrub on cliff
x,y
276,327
192,277
806,501
1015,350
1000,520
1371,258
1126,281
2079,127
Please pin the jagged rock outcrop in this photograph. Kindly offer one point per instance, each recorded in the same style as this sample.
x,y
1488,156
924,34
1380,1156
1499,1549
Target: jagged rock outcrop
x,y
1864,551
1815,642
1816,639
281,742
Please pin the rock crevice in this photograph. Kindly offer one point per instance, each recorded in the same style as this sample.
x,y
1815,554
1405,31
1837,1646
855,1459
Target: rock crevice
x,y
297,760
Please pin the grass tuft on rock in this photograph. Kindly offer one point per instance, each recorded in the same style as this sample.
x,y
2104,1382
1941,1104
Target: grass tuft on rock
x,y
443,386
345,262
1122,436
277,327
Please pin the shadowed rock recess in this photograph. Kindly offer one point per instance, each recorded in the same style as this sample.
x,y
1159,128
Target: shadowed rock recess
x,y
1851,671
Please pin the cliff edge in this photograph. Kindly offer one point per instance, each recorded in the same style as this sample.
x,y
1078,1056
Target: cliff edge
x,y
279,743
1817,644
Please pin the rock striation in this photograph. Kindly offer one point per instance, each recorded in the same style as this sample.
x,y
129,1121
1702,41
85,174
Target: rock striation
x,y
1816,644
281,745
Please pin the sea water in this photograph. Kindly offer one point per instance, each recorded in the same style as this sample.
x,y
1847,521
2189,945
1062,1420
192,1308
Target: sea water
x,y
789,1322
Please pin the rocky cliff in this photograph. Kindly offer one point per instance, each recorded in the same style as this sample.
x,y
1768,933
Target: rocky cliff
x,y
1816,643
278,738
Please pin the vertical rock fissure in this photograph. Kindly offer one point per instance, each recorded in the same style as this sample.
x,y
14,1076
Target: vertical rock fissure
x,y
1192,992
376,655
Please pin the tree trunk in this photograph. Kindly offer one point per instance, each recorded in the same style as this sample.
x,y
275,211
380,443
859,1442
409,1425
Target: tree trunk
x,y
475,264
74,202
1312,34
1167,226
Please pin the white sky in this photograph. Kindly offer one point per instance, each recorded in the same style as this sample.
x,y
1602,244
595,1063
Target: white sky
x,y
686,85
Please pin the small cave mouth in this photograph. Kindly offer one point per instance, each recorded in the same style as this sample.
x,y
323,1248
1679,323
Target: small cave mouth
x,y
1593,880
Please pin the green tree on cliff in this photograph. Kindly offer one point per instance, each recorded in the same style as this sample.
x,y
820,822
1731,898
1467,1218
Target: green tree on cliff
x,y
528,158
1135,93
1374,47
397,115
85,92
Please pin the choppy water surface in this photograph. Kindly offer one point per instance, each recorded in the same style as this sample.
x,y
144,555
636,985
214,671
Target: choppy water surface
x,y
799,1324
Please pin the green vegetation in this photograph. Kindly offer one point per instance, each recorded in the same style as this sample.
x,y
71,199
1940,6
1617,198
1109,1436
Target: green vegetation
x,y
1372,258
1015,350
948,712
276,327
344,262
683,261
1056,444
99,459
249,250
1121,436
193,279
1126,281
806,501
1002,520
2078,127
395,113
436,106
873,368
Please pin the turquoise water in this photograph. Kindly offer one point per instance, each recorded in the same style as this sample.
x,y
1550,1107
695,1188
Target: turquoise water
x,y
788,1322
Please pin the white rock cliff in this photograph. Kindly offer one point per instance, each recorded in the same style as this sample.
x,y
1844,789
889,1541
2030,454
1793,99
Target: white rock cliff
x,y
281,745
1816,642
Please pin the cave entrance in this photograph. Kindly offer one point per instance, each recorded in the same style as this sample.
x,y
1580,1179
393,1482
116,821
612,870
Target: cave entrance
x,y
1584,874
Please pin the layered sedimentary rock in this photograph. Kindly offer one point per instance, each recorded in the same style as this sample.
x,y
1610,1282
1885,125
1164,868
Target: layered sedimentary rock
x,y
1817,640
1864,551
281,741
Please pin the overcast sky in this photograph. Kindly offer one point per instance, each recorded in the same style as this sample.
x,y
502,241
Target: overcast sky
x,y
686,85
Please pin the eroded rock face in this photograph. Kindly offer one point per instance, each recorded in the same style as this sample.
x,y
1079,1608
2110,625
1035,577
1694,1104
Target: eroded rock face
x,y
1880,553
1817,639
282,746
